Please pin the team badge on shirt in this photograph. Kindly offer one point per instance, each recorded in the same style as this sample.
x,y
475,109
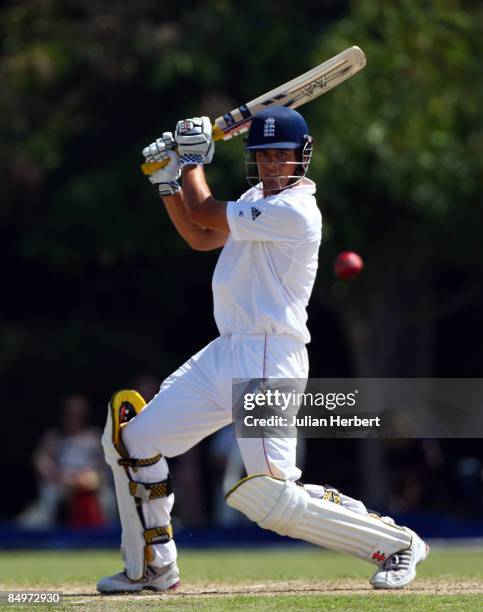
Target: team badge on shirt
x,y
255,213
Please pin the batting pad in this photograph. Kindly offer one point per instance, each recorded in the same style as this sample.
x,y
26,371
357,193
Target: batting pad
x,y
289,510
132,528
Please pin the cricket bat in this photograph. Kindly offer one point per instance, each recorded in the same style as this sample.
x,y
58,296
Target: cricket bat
x,y
292,94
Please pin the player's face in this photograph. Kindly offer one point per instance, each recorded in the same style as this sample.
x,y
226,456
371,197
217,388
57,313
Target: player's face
x,y
275,167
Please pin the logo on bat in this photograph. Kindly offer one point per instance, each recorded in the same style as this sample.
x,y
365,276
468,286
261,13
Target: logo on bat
x,y
312,88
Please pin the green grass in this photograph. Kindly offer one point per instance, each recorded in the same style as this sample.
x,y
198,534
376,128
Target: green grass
x,y
451,579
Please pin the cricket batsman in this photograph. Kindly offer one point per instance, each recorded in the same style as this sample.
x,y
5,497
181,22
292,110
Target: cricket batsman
x,y
261,287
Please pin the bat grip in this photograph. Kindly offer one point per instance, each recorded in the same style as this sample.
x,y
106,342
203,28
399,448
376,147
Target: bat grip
x,y
149,168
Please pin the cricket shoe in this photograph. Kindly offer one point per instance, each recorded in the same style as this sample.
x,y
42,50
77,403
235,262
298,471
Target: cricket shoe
x,y
399,569
155,579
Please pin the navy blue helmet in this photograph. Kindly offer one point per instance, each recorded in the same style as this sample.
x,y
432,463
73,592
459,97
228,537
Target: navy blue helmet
x,y
277,127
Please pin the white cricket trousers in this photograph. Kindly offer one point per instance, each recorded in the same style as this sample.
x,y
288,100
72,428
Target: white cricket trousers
x,y
196,400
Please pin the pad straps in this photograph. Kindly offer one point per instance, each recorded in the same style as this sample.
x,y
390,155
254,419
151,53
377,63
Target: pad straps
x,y
135,464
158,535
144,492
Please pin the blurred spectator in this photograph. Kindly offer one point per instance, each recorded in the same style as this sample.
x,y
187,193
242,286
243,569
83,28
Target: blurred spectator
x,y
418,474
71,472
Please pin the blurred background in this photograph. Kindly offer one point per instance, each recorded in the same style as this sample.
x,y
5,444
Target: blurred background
x,y
100,293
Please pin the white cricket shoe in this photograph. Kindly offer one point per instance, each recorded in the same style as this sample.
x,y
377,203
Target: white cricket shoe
x,y
155,579
399,569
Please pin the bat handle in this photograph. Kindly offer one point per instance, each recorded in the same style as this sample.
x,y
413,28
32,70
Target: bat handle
x,y
149,167
218,133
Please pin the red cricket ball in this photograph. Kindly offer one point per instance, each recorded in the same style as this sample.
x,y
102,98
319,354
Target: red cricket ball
x,y
348,265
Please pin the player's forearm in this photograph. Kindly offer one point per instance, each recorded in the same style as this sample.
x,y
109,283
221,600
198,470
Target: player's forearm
x,y
195,190
199,238
178,214
201,206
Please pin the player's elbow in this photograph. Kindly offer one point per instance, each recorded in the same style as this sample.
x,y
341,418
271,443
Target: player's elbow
x,y
199,245
206,240
198,242
198,215
202,212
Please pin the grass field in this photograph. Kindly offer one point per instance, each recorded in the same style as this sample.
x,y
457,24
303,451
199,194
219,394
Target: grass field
x,y
273,579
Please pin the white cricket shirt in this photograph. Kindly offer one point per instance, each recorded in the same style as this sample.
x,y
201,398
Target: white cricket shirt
x,y
266,271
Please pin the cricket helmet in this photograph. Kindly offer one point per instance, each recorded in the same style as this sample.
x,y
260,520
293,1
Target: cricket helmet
x,y
278,127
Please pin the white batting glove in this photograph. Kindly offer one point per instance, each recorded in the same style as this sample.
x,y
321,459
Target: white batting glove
x,y
157,150
162,151
166,178
194,140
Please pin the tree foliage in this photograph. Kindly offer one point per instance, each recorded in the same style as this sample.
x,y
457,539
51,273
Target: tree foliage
x,y
399,166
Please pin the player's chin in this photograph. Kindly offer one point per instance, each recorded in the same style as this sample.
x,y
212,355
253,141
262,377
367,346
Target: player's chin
x,y
274,184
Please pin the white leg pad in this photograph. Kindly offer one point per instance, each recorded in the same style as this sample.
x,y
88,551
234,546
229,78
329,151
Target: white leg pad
x,y
288,509
132,529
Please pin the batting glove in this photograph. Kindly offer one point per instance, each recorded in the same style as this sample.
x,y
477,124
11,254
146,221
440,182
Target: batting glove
x,y
194,140
158,150
162,151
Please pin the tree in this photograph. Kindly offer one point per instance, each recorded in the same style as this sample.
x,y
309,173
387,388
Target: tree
x,y
400,162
